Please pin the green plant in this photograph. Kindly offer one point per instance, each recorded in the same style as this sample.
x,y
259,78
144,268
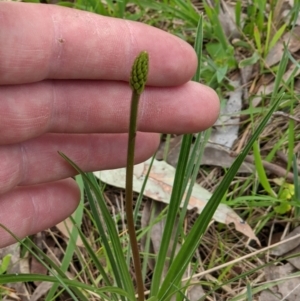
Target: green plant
x,y
137,82
107,262
171,283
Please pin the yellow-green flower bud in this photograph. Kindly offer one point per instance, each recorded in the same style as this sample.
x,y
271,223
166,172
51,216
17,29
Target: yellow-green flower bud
x,y
139,73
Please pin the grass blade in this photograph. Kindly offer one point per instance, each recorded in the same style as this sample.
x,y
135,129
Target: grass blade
x,y
172,212
178,186
73,237
111,240
185,254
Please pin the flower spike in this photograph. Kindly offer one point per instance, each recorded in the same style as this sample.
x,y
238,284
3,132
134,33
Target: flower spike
x,y
139,73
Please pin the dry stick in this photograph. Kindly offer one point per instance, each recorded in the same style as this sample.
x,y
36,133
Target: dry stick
x,y
273,168
244,257
138,79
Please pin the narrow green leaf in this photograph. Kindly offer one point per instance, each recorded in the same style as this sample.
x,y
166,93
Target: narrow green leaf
x,y
257,39
281,71
296,197
178,186
94,257
47,263
192,240
115,252
278,34
238,13
68,256
250,60
269,30
103,292
198,48
172,213
261,170
5,263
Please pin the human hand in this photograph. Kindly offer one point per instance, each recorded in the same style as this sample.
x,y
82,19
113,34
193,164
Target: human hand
x,y
63,87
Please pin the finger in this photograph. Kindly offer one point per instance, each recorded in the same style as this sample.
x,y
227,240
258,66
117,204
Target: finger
x,y
37,160
63,43
27,111
28,210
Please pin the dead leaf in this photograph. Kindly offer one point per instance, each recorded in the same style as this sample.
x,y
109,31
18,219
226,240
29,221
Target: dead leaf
x,y
65,227
227,20
36,267
266,90
289,246
291,40
195,292
159,188
289,289
226,128
214,155
286,14
217,155
41,290
269,296
173,153
295,261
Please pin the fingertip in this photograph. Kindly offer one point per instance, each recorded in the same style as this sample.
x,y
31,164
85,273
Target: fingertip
x,y
189,108
177,59
211,103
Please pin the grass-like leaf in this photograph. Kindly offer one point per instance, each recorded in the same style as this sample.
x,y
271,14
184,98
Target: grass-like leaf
x,y
102,292
186,252
109,238
179,186
68,256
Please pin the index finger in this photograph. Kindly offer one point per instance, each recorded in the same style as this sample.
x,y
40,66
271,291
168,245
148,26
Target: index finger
x,y
50,42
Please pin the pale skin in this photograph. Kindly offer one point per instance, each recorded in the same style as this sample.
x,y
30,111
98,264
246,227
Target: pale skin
x,y
63,87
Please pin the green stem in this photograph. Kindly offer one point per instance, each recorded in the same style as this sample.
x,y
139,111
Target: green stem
x,y
129,196
137,82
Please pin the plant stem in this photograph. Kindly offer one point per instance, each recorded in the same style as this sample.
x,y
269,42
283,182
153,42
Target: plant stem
x,y
137,82
129,196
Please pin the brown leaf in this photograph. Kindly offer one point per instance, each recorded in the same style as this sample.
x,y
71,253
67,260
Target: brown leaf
x,y
291,39
289,289
159,187
289,246
295,261
227,20
266,90
65,227
173,153
41,290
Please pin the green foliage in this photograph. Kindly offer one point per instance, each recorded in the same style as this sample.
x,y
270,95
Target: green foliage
x,y
296,196
110,8
5,263
70,250
249,61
